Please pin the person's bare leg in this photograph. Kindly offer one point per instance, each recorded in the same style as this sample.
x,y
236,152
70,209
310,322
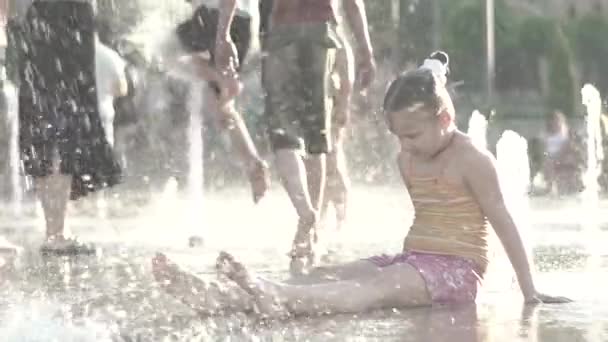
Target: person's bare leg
x,y
332,179
54,194
398,285
228,118
292,172
342,181
328,192
315,174
549,173
337,191
326,197
108,127
195,293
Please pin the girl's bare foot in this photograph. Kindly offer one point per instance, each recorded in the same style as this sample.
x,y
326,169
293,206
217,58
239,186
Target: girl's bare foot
x,y
188,288
267,302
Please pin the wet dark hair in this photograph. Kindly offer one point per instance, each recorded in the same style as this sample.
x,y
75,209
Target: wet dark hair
x,y
425,85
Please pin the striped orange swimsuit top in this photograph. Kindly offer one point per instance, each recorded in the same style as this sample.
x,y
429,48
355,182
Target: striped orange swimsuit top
x,y
447,221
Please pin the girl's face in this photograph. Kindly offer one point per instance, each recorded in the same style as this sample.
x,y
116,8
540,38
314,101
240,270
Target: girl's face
x,y
418,129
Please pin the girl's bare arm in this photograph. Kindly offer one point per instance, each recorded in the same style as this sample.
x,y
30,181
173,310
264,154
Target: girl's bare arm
x,y
482,179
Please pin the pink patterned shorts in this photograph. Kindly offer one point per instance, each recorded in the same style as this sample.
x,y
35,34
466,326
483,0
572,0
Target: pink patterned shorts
x,y
449,279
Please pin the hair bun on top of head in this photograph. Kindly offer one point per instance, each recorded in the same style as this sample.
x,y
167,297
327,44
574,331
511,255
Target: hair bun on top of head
x,y
422,85
437,63
441,56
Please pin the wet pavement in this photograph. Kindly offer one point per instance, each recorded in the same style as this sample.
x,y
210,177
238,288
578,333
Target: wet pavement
x,y
112,296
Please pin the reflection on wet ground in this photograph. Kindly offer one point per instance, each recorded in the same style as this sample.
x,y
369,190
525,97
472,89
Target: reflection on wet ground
x,y
112,297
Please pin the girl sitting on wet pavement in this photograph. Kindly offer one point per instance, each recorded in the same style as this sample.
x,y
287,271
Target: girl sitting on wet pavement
x,y
457,197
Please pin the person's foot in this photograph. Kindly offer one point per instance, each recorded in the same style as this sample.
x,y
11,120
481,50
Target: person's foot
x,y
8,254
7,248
188,288
259,177
302,251
267,304
62,246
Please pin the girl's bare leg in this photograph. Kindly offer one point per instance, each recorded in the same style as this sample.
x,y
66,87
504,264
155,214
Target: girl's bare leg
x,y
398,285
211,298
205,298
347,271
197,68
228,118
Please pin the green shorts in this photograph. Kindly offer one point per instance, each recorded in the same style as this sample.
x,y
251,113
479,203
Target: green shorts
x,y
296,78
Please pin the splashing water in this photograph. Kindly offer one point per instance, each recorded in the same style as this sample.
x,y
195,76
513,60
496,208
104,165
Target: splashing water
x,y
478,128
593,139
595,153
154,37
196,172
514,176
43,321
16,181
513,165
160,18
496,278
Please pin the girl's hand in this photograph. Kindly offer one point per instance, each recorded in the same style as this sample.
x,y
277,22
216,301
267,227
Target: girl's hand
x,y
226,55
230,87
539,298
259,177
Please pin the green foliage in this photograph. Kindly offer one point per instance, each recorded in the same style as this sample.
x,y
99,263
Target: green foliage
x,y
535,35
465,39
381,27
562,89
415,29
542,37
520,42
589,37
